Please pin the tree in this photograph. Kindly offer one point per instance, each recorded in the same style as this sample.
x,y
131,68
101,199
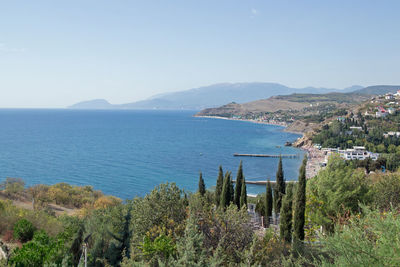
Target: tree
x,y
238,188
23,230
300,204
243,195
218,187
336,191
268,201
285,225
280,187
12,186
202,186
226,194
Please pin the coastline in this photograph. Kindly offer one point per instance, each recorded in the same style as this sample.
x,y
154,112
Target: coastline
x,y
314,156
283,124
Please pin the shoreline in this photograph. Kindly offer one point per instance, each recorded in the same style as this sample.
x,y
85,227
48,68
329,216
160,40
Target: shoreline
x,y
314,156
282,124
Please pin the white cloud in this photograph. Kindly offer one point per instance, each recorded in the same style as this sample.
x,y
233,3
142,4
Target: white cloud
x,y
6,49
254,11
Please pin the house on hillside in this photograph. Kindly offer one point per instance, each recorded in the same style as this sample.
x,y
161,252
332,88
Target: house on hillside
x,y
391,134
381,113
389,96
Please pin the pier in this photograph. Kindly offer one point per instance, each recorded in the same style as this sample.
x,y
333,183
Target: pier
x,y
262,182
290,156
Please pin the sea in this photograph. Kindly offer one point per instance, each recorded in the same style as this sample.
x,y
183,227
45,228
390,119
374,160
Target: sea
x,y
126,153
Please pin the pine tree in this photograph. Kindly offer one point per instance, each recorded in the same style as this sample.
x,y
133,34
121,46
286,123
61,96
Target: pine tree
x,y
238,188
243,194
280,187
300,205
202,186
218,187
285,225
226,188
268,200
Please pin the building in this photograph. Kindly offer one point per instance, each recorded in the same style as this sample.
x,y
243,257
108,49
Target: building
x,y
389,96
357,152
391,110
391,134
381,113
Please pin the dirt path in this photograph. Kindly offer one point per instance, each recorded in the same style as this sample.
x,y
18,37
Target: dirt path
x,y
59,210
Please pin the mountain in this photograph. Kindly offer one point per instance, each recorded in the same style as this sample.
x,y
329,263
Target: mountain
x,y
216,95
92,104
378,89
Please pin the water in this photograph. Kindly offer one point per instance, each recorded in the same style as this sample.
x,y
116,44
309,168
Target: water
x,y
127,153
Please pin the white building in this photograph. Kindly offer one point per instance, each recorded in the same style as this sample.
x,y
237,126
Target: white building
x,y
392,134
357,152
389,96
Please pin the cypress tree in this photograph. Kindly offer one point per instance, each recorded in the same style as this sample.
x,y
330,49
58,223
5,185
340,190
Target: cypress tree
x,y
218,187
238,188
202,186
300,205
268,201
226,188
243,194
280,187
231,190
285,225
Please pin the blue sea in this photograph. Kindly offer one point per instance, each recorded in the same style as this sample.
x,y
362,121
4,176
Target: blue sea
x,y
127,153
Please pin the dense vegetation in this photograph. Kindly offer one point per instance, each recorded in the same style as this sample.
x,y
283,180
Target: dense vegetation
x,y
349,218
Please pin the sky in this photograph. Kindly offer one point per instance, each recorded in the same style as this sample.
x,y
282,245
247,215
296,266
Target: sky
x,y
56,53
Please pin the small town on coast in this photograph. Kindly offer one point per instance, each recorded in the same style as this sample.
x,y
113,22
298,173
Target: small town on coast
x,y
199,133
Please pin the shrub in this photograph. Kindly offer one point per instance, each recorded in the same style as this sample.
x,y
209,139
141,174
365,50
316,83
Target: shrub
x,y
23,230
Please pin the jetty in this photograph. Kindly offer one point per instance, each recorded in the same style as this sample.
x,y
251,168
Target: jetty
x,y
291,156
262,182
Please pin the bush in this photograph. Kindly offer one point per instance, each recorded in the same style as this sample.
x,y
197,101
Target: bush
x,y
23,230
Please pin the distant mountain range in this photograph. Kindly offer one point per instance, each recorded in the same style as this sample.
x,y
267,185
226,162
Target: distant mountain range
x,y
220,94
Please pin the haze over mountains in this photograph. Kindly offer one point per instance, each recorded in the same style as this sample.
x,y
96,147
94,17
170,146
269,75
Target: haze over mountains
x,y
211,96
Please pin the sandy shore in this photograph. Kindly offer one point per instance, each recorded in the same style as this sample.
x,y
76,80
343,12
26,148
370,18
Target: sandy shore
x,y
315,157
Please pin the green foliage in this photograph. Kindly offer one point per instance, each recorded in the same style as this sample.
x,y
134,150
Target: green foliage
x,y
163,211
42,250
238,188
369,240
385,191
24,230
226,196
300,203
161,247
286,215
243,195
202,186
334,192
190,248
218,187
280,187
12,186
268,200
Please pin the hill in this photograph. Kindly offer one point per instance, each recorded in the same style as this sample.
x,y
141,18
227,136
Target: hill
x,y
92,104
213,96
307,103
378,89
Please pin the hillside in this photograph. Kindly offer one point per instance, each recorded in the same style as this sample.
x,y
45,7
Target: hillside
x,y
378,89
309,107
211,96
